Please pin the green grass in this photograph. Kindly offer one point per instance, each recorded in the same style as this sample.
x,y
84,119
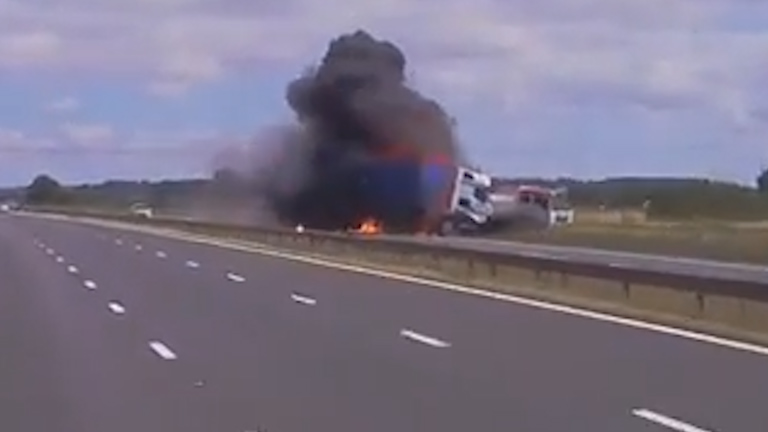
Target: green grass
x,y
720,241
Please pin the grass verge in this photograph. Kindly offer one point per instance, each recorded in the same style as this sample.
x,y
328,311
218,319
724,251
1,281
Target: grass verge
x,y
717,242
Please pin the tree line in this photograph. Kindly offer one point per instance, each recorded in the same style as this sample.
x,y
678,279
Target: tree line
x,y
663,198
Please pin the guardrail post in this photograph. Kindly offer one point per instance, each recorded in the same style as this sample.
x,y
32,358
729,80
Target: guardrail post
x,y
700,302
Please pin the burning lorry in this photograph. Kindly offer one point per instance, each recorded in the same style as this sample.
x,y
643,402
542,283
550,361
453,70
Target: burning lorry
x,y
428,195
398,191
438,196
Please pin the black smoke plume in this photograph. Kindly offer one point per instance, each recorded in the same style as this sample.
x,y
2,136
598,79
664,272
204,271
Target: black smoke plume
x,y
353,106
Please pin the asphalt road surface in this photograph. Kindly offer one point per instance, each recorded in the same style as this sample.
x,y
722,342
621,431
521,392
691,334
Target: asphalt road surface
x,y
677,265
111,330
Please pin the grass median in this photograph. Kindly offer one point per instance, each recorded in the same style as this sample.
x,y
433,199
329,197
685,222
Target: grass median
x,y
723,242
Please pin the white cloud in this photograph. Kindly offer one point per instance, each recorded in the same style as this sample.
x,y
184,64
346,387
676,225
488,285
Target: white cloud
x,y
87,134
145,139
182,70
9,137
11,142
99,139
32,48
168,88
17,141
63,105
660,54
645,44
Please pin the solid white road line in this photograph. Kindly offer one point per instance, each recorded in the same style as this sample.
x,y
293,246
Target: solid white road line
x,y
192,264
427,340
477,292
456,288
668,422
303,300
235,277
116,307
72,269
160,254
91,285
162,350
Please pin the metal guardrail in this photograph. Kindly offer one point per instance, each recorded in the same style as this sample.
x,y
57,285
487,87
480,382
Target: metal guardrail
x,y
736,303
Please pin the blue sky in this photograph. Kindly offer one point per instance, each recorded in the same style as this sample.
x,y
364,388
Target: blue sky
x,y
98,89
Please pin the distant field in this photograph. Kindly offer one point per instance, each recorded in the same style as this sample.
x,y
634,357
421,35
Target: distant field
x,y
637,217
629,231
594,216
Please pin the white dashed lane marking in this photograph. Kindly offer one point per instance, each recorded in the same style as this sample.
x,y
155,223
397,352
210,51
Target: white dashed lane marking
x,y
161,254
668,422
118,242
116,308
162,350
59,259
72,269
192,264
91,285
139,247
303,300
235,277
427,340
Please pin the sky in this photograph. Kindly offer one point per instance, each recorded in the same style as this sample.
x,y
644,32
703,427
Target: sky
x,y
102,89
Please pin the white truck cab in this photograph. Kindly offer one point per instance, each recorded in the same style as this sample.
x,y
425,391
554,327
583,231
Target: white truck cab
x,y
471,206
141,210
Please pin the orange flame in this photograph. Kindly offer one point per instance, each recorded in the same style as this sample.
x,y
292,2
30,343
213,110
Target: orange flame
x,y
369,226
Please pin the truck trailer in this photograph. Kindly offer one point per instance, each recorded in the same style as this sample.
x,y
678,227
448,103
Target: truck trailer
x,y
433,195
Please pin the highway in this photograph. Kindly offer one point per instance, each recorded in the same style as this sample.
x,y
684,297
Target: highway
x,y
105,329
678,265
668,264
